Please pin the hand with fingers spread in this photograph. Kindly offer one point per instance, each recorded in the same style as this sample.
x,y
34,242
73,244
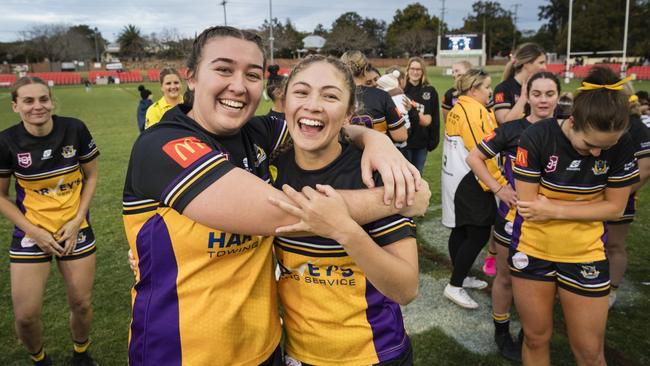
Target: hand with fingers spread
x,y
507,195
541,209
401,178
322,212
45,240
67,235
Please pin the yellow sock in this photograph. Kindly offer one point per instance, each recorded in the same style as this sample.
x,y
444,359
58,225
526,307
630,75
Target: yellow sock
x,y
81,347
38,356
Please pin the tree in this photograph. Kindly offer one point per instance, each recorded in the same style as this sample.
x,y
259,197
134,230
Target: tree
x,y
132,43
412,31
319,30
497,23
351,31
286,38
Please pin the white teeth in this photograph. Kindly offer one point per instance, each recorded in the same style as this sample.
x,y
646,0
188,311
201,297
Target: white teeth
x,y
232,103
310,122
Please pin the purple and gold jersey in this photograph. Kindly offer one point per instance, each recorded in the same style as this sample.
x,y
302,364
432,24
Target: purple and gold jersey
x,y
332,314
504,141
49,179
202,296
545,156
376,110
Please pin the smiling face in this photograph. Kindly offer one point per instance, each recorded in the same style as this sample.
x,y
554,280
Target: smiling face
x,y
542,98
316,107
415,71
371,78
590,141
171,87
34,105
227,85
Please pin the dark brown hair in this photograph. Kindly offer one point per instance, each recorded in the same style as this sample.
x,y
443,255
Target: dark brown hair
x,y
602,109
27,80
525,54
168,71
194,59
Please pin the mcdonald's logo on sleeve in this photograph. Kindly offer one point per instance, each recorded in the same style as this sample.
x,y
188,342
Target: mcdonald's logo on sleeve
x,y
499,97
522,157
186,150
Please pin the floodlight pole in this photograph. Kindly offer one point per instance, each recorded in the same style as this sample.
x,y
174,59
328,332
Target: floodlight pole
x,y
568,45
96,48
225,21
271,29
627,19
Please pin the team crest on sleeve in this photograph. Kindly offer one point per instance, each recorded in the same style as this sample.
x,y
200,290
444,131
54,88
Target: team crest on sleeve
x,y
499,97
552,164
68,151
186,150
24,159
600,167
522,157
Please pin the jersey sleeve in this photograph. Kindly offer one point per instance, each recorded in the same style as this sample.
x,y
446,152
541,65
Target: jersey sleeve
x,y
624,170
394,119
528,165
503,98
274,132
640,135
174,166
391,229
495,142
447,99
87,148
6,163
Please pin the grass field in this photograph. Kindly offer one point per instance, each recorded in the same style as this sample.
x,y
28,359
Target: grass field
x,y
110,113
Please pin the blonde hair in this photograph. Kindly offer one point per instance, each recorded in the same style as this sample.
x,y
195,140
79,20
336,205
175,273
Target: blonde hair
x,y
356,61
424,80
472,79
525,54
466,64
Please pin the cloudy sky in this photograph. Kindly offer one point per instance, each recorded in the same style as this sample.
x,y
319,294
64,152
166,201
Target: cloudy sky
x,y
191,16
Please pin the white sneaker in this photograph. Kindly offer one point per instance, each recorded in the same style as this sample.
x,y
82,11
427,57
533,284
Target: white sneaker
x,y
460,297
475,283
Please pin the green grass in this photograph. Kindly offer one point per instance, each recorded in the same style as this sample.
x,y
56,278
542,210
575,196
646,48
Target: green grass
x,y
110,113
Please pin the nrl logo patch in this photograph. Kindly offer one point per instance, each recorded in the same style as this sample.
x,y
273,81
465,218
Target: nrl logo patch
x,y
24,159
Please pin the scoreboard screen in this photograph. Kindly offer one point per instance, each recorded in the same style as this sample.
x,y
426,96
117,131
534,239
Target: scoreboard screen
x,y
461,42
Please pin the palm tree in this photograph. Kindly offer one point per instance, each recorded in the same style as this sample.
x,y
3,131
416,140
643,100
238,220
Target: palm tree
x,y
132,43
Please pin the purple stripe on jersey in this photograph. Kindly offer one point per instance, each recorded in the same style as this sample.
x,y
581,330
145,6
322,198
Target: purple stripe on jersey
x,y
155,334
385,319
516,230
20,198
510,177
187,171
603,238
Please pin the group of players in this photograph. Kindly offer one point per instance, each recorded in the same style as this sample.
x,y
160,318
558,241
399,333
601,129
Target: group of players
x,y
202,218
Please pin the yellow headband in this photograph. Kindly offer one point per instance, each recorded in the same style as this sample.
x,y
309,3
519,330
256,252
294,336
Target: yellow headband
x,y
616,86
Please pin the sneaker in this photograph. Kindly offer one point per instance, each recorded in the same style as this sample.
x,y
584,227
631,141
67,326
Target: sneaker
x,y
509,349
460,297
490,266
83,359
612,298
47,361
475,283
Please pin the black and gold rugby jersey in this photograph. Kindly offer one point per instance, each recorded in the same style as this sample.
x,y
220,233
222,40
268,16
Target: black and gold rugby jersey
x,y
202,296
47,169
546,156
640,134
504,141
376,110
332,313
506,94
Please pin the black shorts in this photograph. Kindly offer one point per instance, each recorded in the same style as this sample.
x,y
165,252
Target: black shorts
x,y
473,205
25,250
275,359
628,214
502,232
586,279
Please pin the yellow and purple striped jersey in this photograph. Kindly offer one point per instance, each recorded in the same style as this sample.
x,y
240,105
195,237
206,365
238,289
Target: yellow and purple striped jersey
x,y
202,296
49,179
545,156
332,314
